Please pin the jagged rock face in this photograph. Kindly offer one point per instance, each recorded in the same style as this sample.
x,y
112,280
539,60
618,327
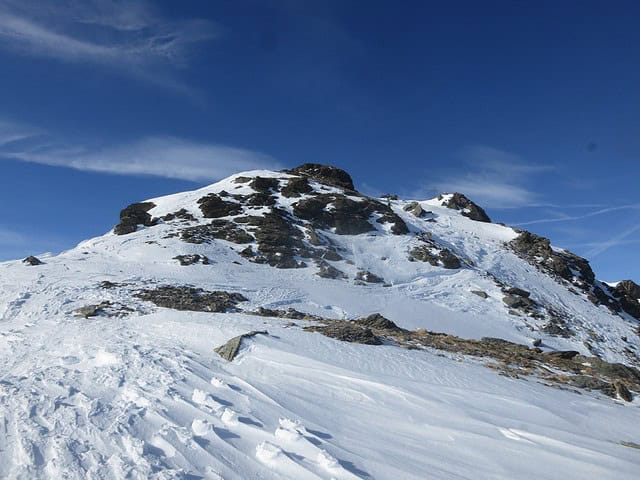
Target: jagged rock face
x,y
564,264
296,187
345,215
469,209
134,215
434,254
218,229
279,241
572,268
629,288
324,174
628,294
213,206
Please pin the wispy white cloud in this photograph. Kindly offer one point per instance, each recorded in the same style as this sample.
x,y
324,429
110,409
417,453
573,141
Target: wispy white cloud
x,y
130,37
613,242
164,156
493,177
12,132
561,217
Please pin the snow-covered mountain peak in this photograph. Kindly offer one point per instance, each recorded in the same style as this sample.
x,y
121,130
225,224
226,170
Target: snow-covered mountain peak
x,y
328,310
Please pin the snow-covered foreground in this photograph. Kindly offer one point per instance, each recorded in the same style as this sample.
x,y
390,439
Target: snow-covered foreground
x,y
147,398
144,395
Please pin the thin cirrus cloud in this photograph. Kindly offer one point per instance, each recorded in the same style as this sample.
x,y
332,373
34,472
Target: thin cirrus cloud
x,y
494,178
163,156
133,38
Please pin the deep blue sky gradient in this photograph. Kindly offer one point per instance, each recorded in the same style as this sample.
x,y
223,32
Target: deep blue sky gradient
x,y
410,97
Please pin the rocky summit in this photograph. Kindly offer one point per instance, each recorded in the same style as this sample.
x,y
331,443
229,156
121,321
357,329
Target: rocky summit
x,y
284,325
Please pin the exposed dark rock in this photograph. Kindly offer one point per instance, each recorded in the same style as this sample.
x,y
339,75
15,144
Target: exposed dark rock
x,y
192,299
537,342
279,241
290,313
230,350
220,229
296,186
517,291
537,250
91,310
622,391
415,209
466,207
192,259
628,287
347,332
398,227
434,254
480,293
32,261
242,179
557,328
324,174
329,254
564,265
591,383
377,322
630,444
512,301
346,215
329,271
260,199
213,206
628,294
498,341
134,215
106,284
312,236
181,214
365,276
105,308
265,184
564,354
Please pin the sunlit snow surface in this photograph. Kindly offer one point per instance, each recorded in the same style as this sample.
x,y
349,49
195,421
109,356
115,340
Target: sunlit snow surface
x,y
145,396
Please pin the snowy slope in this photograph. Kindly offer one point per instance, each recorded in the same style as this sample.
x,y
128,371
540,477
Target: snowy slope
x,y
143,395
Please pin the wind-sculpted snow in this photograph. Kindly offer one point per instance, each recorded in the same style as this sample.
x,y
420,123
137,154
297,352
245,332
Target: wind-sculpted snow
x,y
131,387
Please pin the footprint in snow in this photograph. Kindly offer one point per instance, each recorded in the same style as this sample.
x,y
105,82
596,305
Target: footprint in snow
x,y
229,417
217,382
204,399
300,442
200,427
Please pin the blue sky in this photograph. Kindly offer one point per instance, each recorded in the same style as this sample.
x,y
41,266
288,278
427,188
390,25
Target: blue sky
x,y
530,108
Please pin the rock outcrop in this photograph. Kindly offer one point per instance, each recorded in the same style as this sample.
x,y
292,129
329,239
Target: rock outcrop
x,y
32,261
230,350
564,265
324,174
458,201
134,215
192,299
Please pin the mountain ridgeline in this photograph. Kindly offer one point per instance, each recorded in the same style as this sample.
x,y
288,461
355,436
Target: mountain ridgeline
x,y
285,220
